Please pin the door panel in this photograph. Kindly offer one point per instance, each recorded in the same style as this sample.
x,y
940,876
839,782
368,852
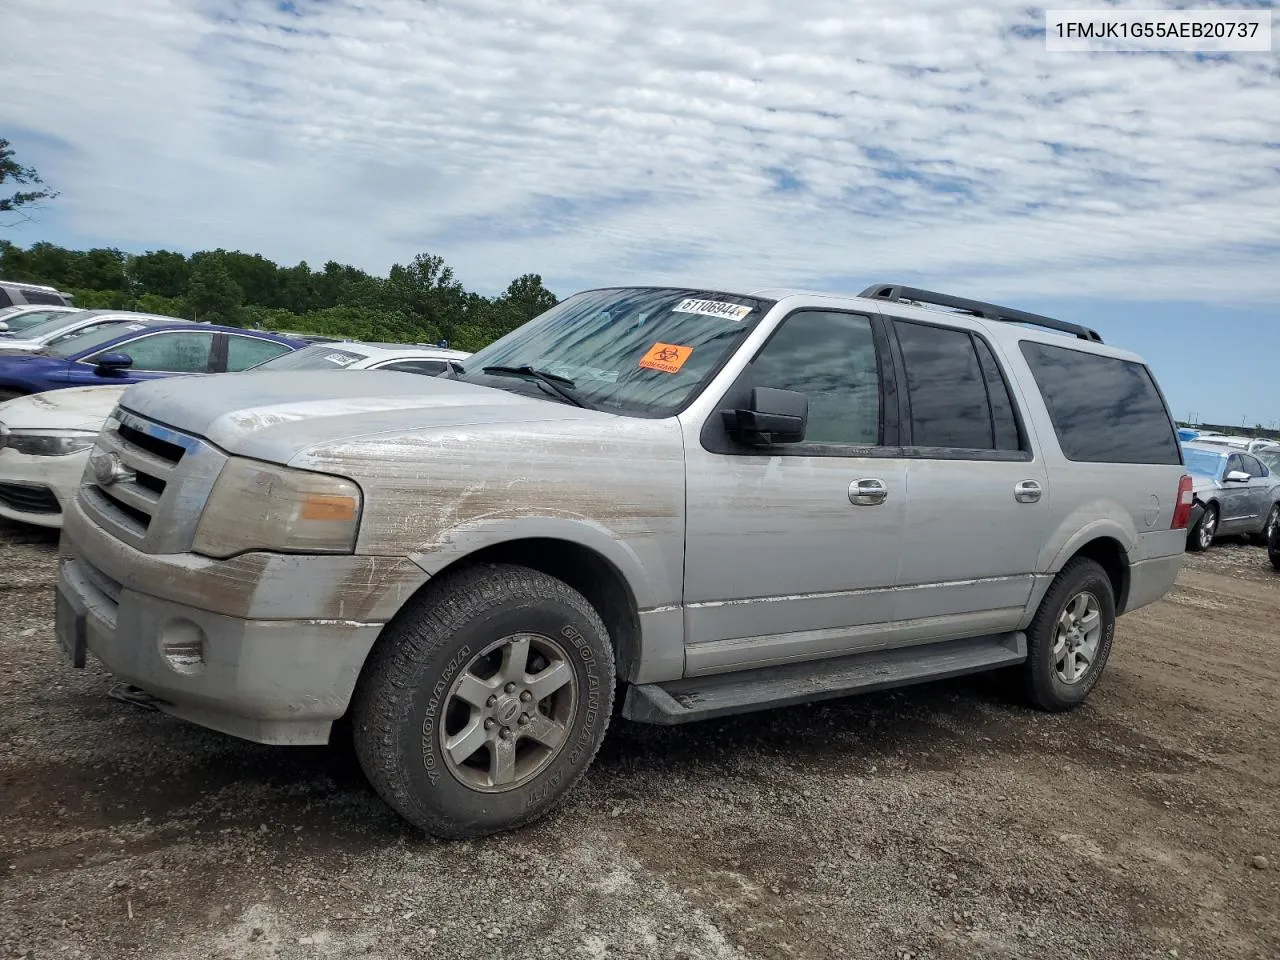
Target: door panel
x,y
1236,500
785,555
977,504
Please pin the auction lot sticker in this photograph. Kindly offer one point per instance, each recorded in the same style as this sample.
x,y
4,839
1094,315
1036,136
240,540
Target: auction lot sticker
x,y
713,308
666,357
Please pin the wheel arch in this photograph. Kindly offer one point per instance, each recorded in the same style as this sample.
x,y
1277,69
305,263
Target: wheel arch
x,y
1109,554
584,569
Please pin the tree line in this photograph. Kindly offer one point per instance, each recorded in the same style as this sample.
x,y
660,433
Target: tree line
x,y
421,301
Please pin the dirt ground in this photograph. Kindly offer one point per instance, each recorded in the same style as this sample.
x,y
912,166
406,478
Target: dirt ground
x,y
935,822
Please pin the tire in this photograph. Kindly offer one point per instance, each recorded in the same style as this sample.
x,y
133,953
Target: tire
x,y
1263,537
1200,537
1045,685
1273,547
429,678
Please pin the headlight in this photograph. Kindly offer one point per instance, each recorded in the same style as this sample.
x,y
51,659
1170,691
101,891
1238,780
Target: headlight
x,y
46,443
260,506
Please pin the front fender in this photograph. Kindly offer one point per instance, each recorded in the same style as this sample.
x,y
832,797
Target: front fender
x,y
648,578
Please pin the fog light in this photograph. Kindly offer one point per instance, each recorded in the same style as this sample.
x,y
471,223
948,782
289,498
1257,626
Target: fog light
x,y
182,646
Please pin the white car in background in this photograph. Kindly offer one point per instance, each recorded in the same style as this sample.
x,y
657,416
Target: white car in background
x,y
13,320
45,438
66,325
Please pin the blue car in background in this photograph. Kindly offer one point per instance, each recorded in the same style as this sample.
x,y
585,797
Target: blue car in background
x,y
142,349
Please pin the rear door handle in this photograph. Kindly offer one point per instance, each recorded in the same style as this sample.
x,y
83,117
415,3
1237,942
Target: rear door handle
x,y
1028,491
867,493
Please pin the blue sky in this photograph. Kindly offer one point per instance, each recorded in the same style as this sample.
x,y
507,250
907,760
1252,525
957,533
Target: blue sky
x,y
733,143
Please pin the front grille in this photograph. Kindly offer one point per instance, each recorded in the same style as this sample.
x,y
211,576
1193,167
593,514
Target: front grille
x,y
163,449
147,483
29,498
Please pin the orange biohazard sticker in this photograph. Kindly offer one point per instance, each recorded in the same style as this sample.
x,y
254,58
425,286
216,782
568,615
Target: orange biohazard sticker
x,y
666,357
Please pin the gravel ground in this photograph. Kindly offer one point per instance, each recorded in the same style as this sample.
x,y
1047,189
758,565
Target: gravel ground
x,y
935,822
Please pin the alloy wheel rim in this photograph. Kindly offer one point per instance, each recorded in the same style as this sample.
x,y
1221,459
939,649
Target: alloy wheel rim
x,y
1077,637
1207,526
507,715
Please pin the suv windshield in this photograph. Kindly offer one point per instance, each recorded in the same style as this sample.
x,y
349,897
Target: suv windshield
x,y
321,356
37,323
638,351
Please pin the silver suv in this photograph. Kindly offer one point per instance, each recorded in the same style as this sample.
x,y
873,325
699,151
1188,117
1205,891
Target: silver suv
x,y
707,502
16,292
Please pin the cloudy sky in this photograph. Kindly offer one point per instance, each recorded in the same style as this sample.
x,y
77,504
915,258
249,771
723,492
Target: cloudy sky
x,y
739,144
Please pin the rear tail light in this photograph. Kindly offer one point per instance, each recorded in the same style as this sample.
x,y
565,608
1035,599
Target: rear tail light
x,y
1182,510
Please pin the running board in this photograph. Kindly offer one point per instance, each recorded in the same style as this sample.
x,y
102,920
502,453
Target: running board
x,y
700,698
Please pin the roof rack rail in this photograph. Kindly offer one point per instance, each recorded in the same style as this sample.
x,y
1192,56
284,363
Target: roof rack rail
x,y
30,286
988,311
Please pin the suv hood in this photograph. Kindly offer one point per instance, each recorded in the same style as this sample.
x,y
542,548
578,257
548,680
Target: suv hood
x,y
276,416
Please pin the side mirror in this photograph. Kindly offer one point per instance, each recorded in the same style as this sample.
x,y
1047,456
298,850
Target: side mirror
x,y
1236,476
772,416
4,327
110,363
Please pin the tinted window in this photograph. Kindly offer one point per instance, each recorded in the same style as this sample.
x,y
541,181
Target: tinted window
x,y
4,297
430,368
1104,410
831,358
245,352
947,389
39,296
1251,466
1004,423
176,352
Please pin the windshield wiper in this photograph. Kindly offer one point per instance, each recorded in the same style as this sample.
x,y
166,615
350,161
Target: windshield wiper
x,y
561,386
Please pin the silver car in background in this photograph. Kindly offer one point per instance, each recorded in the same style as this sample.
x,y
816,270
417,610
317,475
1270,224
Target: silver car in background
x,y
1235,493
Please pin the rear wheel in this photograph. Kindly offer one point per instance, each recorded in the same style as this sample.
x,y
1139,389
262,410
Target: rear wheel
x,y
1273,546
1200,537
1069,640
485,702
1263,537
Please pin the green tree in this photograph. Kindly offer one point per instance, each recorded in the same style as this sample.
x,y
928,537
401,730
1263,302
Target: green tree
x,y
160,272
99,269
426,290
15,173
212,294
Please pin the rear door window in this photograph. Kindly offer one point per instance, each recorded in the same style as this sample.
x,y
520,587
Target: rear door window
x,y
1103,409
957,394
246,352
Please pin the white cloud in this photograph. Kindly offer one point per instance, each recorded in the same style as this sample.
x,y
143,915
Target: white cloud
x,y
599,142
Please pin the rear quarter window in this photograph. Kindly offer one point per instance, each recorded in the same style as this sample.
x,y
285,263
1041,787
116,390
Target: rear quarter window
x,y
1103,409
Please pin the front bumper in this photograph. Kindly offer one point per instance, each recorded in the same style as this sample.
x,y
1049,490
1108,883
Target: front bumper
x,y
223,644
37,490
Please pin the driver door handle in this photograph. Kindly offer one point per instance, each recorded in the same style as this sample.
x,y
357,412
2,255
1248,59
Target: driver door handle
x,y
868,493
1028,491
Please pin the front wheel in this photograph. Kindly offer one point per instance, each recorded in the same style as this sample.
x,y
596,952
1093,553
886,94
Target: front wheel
x,y
1069,640
1200,537
485,701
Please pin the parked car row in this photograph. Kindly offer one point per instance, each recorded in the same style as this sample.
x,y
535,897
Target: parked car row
x,y
1235,493
45,438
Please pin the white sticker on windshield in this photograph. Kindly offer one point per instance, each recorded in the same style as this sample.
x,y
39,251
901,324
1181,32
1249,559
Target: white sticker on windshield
x,y
134,326
341,359
713,308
